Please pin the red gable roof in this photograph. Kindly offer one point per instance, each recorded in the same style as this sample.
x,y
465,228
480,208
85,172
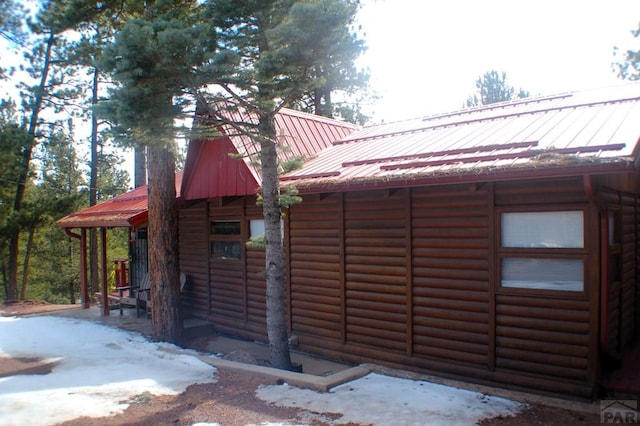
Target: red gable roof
x,y
125,210
210,170
595,131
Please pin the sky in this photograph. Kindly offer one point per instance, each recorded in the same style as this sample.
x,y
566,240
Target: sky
x,y
425,56
82,384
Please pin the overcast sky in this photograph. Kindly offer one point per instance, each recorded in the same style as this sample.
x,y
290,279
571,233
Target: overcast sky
x,y
425,56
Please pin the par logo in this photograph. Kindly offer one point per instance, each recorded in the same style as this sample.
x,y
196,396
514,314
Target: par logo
x,y
619,411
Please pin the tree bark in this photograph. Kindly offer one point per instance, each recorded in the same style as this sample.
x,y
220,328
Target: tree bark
x,y
166,310
93,184
25,266
139,166
274,256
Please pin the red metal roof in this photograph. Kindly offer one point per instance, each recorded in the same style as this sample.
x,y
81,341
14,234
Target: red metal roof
x,y
125,210
597,129
211,172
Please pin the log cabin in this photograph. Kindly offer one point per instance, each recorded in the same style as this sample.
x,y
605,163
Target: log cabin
x,y
498,244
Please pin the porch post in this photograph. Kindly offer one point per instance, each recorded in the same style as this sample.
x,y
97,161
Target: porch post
x,y
105,290
84,285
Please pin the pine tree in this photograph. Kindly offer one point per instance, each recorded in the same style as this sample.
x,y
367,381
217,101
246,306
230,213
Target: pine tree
x,y
492,87
273,54
153,60
262,56
628,66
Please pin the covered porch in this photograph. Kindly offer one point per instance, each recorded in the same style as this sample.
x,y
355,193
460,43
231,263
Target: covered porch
x,y
128,210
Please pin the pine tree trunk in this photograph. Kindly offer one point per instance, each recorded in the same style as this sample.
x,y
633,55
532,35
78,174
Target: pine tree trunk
x,y
166,311
274,255
139,166
25,267
22,178
93,183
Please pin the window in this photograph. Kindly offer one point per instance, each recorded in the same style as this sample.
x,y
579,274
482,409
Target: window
x,y
225,239
543,229
256,228
542,250
226,249
225,227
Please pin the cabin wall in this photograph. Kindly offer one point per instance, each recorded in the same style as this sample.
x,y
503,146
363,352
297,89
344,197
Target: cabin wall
x,y
227,291
544,340
194,259
408,278
623,304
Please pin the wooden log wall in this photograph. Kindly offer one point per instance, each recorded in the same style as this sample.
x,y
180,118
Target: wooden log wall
x,y
623,302
376,269
552,340
194,256
450,234
315,268
227,278
408,278
629,260
231,293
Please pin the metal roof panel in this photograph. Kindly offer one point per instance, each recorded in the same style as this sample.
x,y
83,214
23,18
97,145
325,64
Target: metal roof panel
x,y
125,210
571,128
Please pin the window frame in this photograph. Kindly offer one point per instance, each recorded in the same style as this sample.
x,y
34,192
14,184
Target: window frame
x,y
553,253
233,238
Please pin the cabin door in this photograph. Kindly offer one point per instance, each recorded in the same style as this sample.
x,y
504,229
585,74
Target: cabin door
x,y
139,256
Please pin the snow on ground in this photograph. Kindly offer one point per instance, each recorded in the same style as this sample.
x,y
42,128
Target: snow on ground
x,y
381,400
99,370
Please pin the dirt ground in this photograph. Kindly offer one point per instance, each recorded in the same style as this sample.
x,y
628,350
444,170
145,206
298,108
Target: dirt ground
x,y
231,400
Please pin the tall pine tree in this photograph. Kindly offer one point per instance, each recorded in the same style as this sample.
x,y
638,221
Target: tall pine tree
x,y
273,54
492,87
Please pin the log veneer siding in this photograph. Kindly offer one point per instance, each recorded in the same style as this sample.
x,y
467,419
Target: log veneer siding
x,y
448,291
409,278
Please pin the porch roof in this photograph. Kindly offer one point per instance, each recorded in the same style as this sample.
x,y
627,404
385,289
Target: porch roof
x,y
594,131
127,210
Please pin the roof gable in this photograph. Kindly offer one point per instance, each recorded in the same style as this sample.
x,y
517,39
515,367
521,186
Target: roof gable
x,y
599,127
227,165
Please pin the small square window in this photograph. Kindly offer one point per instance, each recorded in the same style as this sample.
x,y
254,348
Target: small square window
x,y
225,227
256,227
226,250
